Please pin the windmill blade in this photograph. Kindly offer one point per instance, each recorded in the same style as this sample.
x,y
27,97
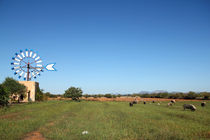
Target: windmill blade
x,y
33,74
14,68
29,76
38,69
21,73
22,53
17,71
16,63
40,61
38,73
34,55
25,75
26,53
17,60
19,57
37,58
39,65
31,53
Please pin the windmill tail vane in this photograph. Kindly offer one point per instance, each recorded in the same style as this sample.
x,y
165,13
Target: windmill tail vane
x,y
28,64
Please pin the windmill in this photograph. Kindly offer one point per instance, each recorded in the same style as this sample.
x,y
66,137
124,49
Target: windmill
x,y
28,64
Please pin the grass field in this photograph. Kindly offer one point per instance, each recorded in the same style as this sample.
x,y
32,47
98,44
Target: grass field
x,y
105,121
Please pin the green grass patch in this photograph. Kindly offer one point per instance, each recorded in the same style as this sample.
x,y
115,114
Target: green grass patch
x,y
67,120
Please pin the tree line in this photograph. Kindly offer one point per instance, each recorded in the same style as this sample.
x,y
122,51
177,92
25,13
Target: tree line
x,y
166,95
176,95
11,88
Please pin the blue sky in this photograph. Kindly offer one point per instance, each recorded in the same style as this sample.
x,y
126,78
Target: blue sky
x,y
104,46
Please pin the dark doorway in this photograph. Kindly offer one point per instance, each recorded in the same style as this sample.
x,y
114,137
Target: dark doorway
x,y
29,95
21,97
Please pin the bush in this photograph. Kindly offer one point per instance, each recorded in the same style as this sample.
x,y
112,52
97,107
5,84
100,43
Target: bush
x,y
95,96
73,93
48,94
100,95
114,96
118,95
86,95
108,95
39,96
4,97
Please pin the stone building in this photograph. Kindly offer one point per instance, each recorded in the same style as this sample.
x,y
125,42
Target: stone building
x,y
31,87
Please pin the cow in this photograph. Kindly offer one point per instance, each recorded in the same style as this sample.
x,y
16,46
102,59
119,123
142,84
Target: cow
x,y
203,104
173,101
135,102
131,104
170,104
189,106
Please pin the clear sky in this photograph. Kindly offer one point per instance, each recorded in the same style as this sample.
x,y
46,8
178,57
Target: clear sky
x,y
111,46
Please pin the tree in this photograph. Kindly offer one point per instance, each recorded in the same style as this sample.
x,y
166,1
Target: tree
x,y
4,97
205,95
191,95
118,95
12,86
73,93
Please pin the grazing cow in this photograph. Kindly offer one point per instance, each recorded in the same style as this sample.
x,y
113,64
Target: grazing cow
x,y
173,101
170,104
131,104
203,104
135,102
189,106
144,102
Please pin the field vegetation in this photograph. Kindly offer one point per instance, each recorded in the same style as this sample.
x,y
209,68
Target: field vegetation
x,y
67,120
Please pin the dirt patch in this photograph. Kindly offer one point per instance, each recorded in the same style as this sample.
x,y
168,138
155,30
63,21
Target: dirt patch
x,y
204,134
35,135
10,116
